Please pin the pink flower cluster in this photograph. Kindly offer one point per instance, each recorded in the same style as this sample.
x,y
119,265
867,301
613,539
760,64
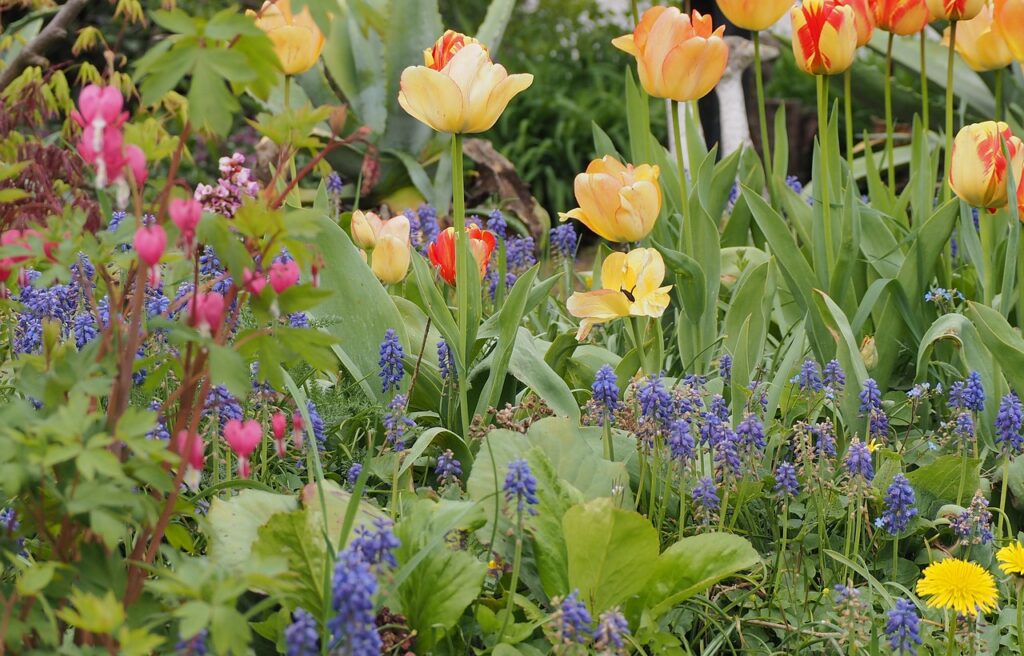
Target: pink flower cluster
x,y
101,145
236,183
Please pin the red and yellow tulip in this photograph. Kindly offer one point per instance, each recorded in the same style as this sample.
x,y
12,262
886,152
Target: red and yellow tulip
x,y
618,201
824,36
679,57
630,286
442,251
980,42
864,19
297,39
902,17
754,15
955,9
459,89
1009,21
980,170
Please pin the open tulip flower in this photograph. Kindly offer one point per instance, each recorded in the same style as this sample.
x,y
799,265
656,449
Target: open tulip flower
x,y
297,39
980,43
955,9
824,36
1009,21
442,250
754,15
980,171
863,18
678,56
618,201
459,89
902,17
631,286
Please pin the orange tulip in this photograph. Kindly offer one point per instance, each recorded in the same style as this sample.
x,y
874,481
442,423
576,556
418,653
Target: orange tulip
x,y
459,89
618,202
1009,21
980,43
678,56
297,39
442,251
864,19
824,37
980,171
902,17
754,15
955,9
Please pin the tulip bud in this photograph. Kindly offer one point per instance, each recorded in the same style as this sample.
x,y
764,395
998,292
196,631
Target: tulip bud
x,y
979,173
296,37
150,242
863,18
442,251
365,228
980,42
824,37
754,15
618,202
283,275
954,9
869,352
392,255
901,17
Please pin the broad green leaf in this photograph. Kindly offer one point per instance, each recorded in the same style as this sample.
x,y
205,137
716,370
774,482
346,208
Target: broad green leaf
x,y
232,525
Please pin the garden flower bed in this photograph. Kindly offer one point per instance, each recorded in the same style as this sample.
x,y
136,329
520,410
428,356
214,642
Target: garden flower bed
x,y
274,381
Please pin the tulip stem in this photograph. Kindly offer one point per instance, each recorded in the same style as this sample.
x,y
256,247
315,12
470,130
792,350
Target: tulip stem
x,y
888,117
762,112
287,92
925,107
848,112
461,275
636,13
686,234
946,190
823,191
999,94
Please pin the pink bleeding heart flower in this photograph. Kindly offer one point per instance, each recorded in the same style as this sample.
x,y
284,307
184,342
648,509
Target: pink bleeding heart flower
x,y
207,312
135,162
279,425
253,282
99,105
283,275
150,242
297,429
243,438
103,150
186,213
195,456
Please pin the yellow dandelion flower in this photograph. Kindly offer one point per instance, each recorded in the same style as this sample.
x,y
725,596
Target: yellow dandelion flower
x,y
960,585
873,446
1011,559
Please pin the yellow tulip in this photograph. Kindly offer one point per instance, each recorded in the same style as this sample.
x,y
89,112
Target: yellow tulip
x,y
297,39
618,202
391,256
631,286
1009,21
754,15
955,9
365,228
981,44
824,37
677,56
459,90
980,171
902,17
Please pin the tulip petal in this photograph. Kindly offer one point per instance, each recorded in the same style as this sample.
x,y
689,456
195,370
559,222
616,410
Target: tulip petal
x,y
499,98
613,271
432,98
625,43
640,204
596,307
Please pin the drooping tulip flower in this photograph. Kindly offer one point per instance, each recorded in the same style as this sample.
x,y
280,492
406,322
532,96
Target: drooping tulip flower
x,y
283,275
297,39
186,213
279,426
824,37
864,19
618,202
981,43
365,228
150,242
391,256
902,17
980,171
1009,21
955,9
442,250
754,15
459,89
207,312
679,57
243,438
195,458
631,286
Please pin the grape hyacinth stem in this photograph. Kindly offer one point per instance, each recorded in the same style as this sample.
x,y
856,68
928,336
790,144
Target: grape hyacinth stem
x,y
516,562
